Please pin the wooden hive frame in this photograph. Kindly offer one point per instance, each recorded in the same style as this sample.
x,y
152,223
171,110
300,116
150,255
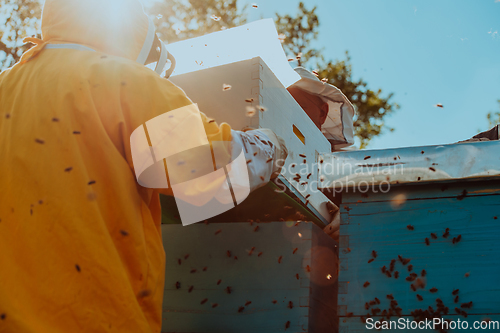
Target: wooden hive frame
x,y
252,80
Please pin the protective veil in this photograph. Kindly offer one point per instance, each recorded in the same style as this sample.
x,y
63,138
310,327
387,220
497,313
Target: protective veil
x,y
80,242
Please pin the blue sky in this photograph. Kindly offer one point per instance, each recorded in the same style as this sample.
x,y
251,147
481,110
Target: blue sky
x,y
425,52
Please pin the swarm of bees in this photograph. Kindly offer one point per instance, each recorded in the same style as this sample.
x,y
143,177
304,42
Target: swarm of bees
x,y
417,282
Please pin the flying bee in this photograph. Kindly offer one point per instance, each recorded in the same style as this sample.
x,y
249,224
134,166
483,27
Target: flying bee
x,y
193,270
279,259
427,241
420,298
374,254
256,228
203,301
371,260
433,290
241,308
410,268
215,305
290,305
396,275
190,289
186,256
367,157
302,155
410,227
295,250
228,289
287,325
434,236
228,254
455,292
248,303
423,273
260,253
218,282
377,300
366,284
388,273
179,261
178,285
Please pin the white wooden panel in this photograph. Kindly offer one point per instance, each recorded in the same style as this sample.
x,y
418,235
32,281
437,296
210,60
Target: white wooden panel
x,y
252,79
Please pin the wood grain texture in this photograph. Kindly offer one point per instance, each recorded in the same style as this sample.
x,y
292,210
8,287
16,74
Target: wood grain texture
x,y
379,223
258,279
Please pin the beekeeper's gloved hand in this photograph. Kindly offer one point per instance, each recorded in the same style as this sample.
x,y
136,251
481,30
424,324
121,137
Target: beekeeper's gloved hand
x,y
264,151
281,151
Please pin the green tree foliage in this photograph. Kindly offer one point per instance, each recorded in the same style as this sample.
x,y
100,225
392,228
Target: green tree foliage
x,y
183,19
371,106
18,19
299,31
494,117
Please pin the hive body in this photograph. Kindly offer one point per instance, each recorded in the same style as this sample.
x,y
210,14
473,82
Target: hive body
x,y
398,223
271,267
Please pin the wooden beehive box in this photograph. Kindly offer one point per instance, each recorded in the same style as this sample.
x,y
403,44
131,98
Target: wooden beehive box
x,y
282,277
252,80
398,222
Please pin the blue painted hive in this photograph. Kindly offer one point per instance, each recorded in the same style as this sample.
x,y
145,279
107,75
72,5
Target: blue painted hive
x,y
419,236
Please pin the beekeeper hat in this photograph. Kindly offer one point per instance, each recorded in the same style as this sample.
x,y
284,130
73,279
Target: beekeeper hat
x,y
338,127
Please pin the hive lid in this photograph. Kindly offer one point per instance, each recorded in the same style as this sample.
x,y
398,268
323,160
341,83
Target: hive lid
x,y
410,165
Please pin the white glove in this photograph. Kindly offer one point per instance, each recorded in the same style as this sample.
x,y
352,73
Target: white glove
x,y
280,148
264,151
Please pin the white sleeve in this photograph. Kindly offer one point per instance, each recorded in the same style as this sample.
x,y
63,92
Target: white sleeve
x,y
260,154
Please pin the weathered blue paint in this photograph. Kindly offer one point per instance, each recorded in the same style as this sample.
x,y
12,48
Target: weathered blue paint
x,y
378,222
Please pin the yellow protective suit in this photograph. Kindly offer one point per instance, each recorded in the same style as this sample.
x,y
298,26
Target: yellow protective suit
x,y
80,241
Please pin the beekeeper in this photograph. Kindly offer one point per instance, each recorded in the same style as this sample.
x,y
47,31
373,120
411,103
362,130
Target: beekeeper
x,y
80,242
329,109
